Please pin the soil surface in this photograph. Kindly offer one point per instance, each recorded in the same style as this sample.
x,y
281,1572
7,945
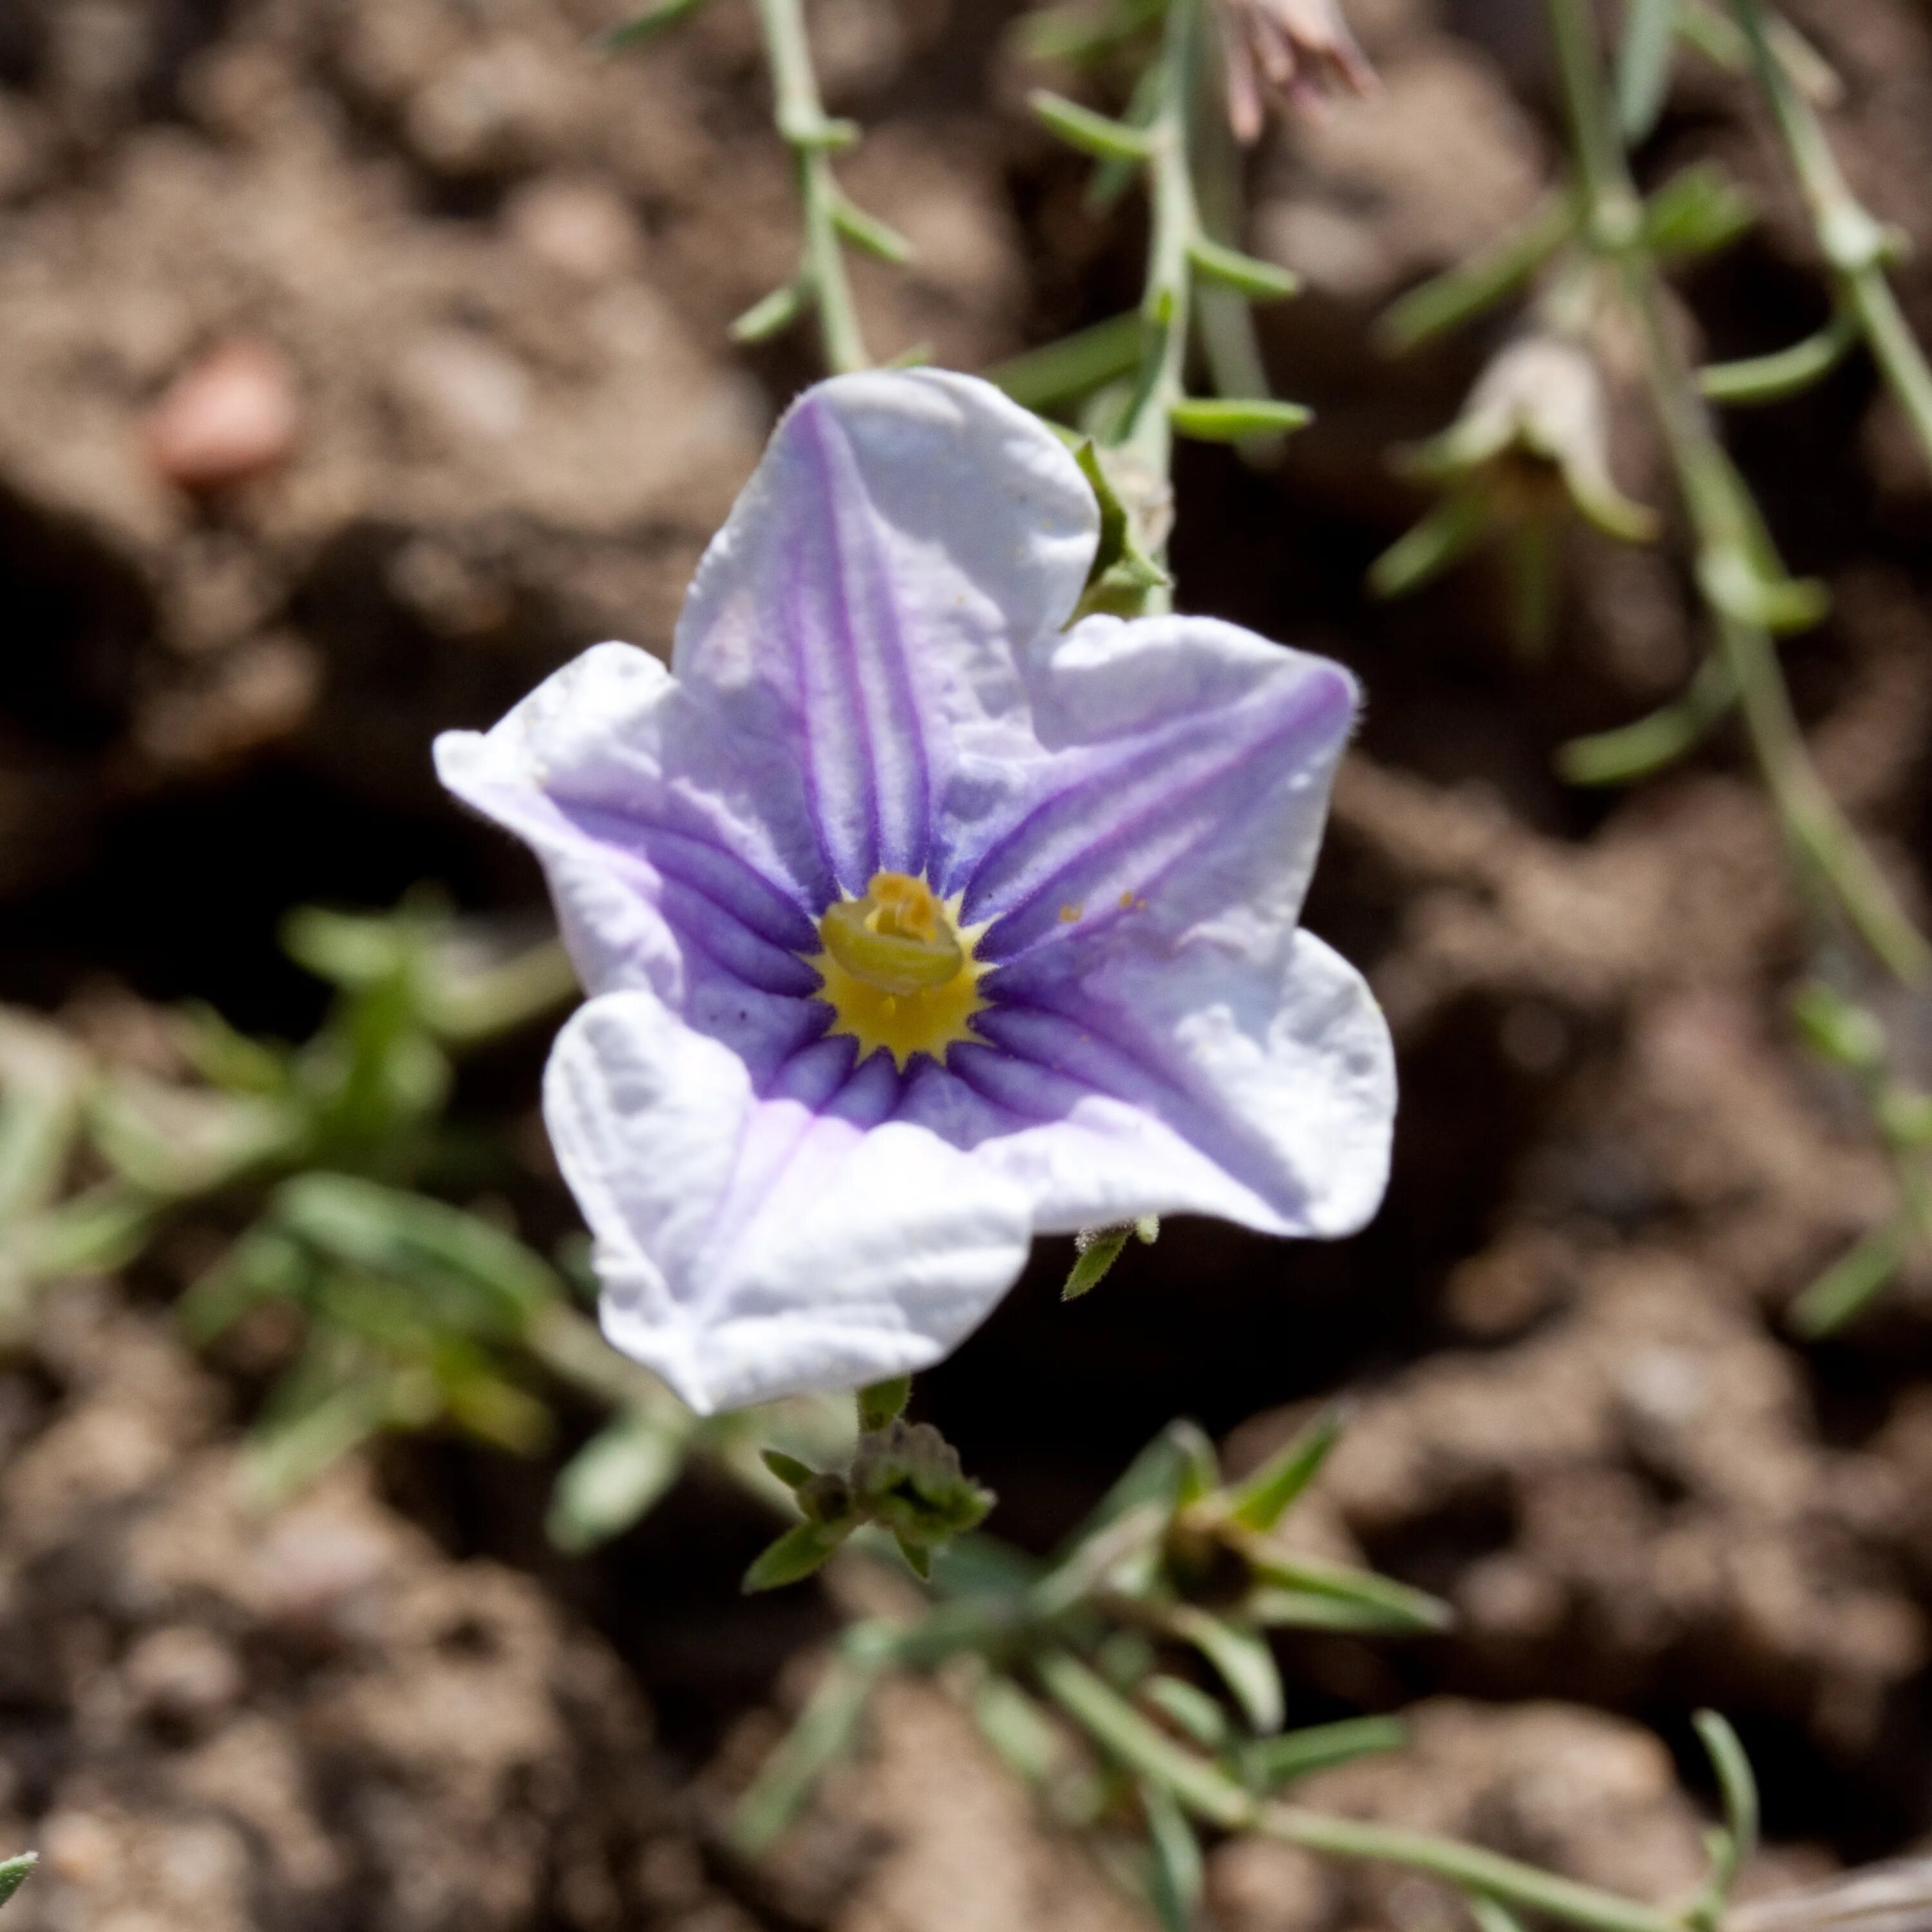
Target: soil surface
x,y
364,359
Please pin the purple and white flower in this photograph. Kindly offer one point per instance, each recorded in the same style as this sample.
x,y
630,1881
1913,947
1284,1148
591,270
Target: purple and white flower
x,y
916,923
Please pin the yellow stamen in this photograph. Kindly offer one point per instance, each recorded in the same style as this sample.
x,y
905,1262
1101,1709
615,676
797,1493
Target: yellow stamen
x,y
897,970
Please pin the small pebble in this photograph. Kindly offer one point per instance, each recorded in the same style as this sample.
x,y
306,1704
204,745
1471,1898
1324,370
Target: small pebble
x,y
231,414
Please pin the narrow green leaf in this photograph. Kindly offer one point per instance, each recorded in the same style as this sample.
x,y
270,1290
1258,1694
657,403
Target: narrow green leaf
x,y
1635,750
1850,1284
1096,1251
822,1734
771,316
1017,1728
1467,290
1190,1707
1260,1501
802,1550
1739,587
1241,1656
868,232
1074,367
1175,1868
1697,212
1379,1602
1233,419
1643,65
1271,1763
616,1479
1770,379
1449,530
14,1873
1246,274
646,27
1491,1915
1837,1029
1739,1789
788,1469
282,1457
883,1403
1905,1118
1137,1742
1096,134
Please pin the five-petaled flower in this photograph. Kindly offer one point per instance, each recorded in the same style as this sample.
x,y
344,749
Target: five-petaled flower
x,y
916,923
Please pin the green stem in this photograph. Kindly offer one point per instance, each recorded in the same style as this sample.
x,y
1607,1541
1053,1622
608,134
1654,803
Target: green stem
x,y
1855,244
1146,433
1204,1789
801,121
1487,1874
1725,521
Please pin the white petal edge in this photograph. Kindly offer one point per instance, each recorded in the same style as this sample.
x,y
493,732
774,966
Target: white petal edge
x,y
854,1254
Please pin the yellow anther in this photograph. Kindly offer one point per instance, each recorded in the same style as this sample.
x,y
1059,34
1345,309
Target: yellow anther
x,y
897,971
897,938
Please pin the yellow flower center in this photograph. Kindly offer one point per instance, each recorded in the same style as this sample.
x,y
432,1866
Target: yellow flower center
x,y
897,970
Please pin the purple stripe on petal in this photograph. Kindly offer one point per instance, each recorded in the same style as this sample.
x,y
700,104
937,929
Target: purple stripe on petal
x,y
864,736
1125,819
698,859
1091,1054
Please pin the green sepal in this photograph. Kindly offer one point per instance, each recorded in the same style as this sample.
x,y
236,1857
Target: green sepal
x,y
15,1872
883,1403
646,27
1246,274
802,1551
1096,1250
1104,139
1234,419
1270,1763
1123,576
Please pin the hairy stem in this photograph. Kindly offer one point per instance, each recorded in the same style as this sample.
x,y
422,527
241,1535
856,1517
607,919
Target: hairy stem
x,y
1854,244
1147,434
801,122
1204,1789
1725,521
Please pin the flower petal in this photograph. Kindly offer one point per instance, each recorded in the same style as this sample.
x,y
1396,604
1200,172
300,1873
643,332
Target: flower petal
x,y
1262,1092
676,861
1186,793
752,1247
908,536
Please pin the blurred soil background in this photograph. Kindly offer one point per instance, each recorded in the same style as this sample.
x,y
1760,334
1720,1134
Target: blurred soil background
x,y
360,361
